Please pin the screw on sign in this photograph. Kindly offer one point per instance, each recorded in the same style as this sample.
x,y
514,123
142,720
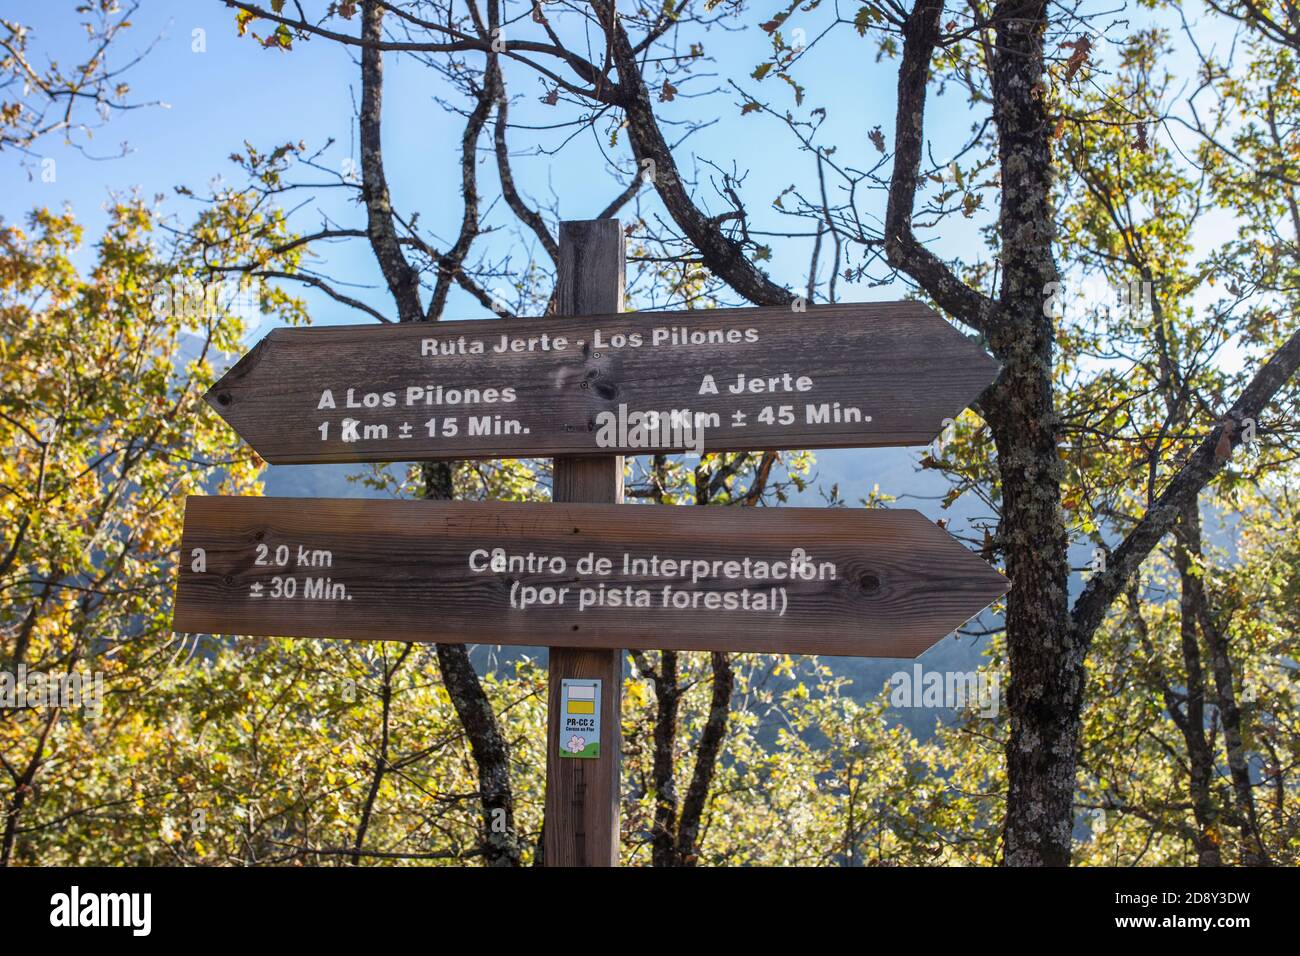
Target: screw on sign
x,y
584,575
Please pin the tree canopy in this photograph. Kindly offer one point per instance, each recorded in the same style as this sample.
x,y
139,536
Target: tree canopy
x,y
1124,186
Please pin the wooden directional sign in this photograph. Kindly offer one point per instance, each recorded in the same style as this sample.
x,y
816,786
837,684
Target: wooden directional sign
x,y
832,376
589,579
872,583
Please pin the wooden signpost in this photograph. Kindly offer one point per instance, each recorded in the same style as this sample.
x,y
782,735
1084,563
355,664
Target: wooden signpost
x,y
582,801
833,376
860,582
586,576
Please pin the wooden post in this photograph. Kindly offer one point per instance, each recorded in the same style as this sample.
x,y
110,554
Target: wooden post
x,y
582,795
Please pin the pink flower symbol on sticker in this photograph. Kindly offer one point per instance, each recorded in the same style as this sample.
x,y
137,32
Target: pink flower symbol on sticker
x,y
576,744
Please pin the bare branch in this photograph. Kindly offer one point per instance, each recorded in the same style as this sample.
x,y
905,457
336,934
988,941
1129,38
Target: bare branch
x,y
1204,463
724,256
403,281
529,217
902,249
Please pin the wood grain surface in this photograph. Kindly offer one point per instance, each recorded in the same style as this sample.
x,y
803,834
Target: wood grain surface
x,y
583,797
854,375
900,583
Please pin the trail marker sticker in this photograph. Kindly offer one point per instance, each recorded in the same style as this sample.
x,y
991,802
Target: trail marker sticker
x,y
580,713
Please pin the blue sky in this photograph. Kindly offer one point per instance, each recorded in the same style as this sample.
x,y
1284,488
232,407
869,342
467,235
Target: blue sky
x,y
236,91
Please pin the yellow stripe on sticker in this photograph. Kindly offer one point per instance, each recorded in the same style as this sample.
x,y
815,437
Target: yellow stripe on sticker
x,y
582,706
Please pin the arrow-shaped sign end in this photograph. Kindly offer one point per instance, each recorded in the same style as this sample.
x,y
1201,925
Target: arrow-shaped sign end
x,y
227,391
970,584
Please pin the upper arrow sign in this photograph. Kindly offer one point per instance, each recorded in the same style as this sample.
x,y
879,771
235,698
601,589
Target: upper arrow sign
x,y
838,581
834,376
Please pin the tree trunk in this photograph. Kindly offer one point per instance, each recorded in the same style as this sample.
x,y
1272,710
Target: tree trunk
x,y
1200,756
498,839
663,849
1197,606
1046,660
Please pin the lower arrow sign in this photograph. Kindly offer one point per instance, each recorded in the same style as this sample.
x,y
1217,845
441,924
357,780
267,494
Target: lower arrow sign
x,y
867,583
